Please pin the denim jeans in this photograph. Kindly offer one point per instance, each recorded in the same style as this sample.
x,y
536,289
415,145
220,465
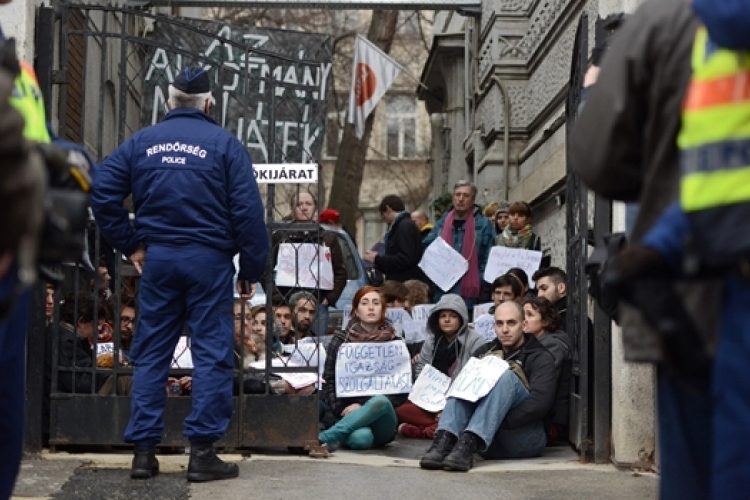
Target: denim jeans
x,y
372,425
484,417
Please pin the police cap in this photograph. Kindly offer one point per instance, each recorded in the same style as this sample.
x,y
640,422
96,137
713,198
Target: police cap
x,y
192,80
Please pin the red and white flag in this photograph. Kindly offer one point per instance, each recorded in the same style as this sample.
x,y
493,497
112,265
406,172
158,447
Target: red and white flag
x,y
373,73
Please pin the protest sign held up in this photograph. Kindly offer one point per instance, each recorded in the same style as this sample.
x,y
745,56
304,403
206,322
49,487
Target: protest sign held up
x,y
477,378
503,258
443,265
372,368
484,325
430,388
304,265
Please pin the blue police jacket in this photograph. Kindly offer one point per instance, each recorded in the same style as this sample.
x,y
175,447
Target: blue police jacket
x,y
192,184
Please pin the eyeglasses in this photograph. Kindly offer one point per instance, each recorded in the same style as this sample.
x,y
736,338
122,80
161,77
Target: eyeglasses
x,y
126,320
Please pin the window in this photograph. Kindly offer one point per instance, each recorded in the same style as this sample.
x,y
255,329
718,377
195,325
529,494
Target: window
x,y
401,126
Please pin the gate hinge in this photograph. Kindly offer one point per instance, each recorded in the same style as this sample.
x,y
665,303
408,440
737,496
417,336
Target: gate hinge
x,y
59,77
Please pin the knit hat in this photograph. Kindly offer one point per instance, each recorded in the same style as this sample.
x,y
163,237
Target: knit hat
x,y
502,207
192,80
329,216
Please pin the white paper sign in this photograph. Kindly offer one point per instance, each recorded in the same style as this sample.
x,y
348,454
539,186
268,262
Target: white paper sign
x,y
286,173
182,357
399,317
105,348
477,378
503,258
484,325
308,354
298,265
416,329
296,380
430,388
372,368
443,265
481,309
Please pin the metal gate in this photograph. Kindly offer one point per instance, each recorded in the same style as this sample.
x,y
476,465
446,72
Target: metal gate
x,y
577,233
591,411
108,82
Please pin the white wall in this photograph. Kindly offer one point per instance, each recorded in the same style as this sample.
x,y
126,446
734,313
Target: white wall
x,y
18,20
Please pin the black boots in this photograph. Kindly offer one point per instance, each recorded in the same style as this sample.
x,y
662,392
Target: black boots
x,y
204,465
440,448
145,465
461,459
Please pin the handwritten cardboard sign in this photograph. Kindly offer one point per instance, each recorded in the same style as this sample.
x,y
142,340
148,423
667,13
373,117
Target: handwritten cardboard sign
x,y
399,317
105,348
372,368
304,265
477,378
484,325
297,380
430,388
443,265
481,309
503,258
416,329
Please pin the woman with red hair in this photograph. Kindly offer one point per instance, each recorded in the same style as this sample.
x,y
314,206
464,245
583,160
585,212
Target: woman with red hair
x,y
369,421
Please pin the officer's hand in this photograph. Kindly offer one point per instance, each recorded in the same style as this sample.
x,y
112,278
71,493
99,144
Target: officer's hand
x,y
244,293
138,259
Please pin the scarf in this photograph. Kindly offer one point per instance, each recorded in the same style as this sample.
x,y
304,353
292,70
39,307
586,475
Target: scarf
x,y
514,239
470,280
356,332
400,216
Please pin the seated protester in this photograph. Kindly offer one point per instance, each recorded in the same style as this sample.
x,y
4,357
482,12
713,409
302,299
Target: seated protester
x,y
304,308
304,206
258,332
283,314
127,325
395,294
49,303
543,322
419,293
518,233
505,288
368,421
508,421
449,344
551,284
523,278
76,335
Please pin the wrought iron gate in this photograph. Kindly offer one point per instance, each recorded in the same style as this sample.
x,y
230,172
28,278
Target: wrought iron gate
x,y
577,232
108,82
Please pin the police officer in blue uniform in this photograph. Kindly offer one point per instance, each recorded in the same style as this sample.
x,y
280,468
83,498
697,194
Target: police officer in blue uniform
x,y
196,205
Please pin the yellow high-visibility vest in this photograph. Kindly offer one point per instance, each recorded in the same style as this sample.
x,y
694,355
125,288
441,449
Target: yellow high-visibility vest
x,y
714,143
27,98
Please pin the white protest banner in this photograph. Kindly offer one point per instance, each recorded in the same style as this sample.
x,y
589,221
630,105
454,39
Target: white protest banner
x,y
399,317
286,173
484,325
105,348
430,388
297,380
481,309
182,357
442,264
477,378
416,329
372,368
503,258
309,354
298,266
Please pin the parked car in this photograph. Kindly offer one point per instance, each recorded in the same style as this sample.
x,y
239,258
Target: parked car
x,y
355,272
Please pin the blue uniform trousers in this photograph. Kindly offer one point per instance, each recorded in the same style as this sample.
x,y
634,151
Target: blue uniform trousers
x,y
12,362
190,286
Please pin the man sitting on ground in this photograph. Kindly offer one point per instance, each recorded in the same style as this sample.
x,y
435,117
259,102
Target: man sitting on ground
x,y
303,306
508,421
550,284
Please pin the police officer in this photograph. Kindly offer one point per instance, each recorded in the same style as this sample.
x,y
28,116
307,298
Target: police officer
x,y
196,205
22,186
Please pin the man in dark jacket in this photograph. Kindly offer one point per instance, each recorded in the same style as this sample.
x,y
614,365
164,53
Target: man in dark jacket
x,y
624,147
508,421
196,205
403,243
